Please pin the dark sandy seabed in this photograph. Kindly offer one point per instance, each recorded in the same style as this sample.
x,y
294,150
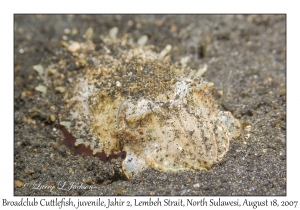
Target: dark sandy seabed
x,y
246,58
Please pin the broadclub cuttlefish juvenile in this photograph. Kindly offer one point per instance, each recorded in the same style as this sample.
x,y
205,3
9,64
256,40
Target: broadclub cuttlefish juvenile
x,y
137,105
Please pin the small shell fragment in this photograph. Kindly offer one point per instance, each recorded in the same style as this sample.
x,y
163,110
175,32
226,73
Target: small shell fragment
x,y
113,32
142,40
40,69
41,88
74,47
60,89
166,50
52,118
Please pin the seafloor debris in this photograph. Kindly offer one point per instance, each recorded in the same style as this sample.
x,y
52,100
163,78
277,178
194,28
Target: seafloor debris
x,y
161,114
